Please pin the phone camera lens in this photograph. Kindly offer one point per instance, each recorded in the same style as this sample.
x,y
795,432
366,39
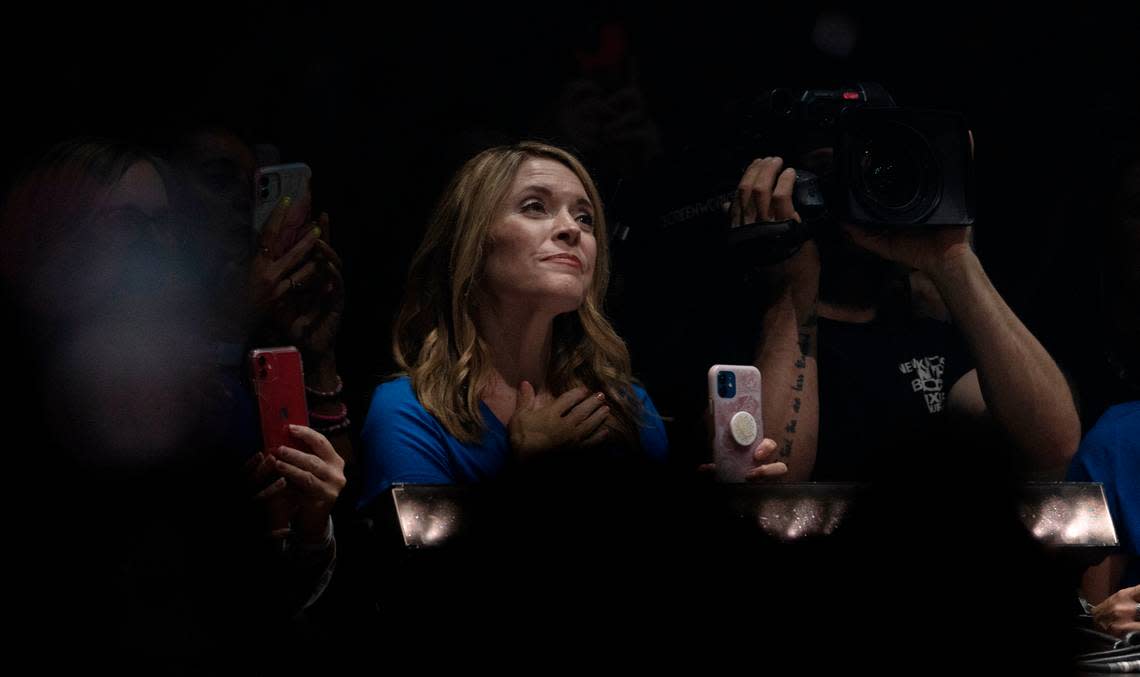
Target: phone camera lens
x,y
263,181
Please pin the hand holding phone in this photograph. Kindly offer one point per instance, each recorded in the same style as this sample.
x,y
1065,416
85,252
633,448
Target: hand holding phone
x,y
270,185
279,386
310,472
737,427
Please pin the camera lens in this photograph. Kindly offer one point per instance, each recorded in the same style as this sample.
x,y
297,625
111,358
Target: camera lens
x,y
726,384
264,193
263,181
896,173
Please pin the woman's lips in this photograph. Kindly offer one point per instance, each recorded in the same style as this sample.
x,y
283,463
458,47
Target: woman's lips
x,y
565,259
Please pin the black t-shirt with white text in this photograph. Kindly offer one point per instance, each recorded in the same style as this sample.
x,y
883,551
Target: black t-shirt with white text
x,y
883,389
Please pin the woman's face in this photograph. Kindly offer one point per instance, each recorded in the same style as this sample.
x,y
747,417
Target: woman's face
x,y
542,248
140,188
126,253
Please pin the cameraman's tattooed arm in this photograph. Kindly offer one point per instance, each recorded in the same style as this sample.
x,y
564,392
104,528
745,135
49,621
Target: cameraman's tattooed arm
x,y
786,353
786,358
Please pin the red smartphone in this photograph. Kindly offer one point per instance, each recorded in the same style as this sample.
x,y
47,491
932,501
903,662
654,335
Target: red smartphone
x,y
279,385
272,183
738,429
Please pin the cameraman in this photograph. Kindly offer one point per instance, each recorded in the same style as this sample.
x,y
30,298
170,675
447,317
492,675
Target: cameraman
x,y
854,382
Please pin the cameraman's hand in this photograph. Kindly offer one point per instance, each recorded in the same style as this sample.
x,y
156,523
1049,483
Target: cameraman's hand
x,y
931,251
765,194
575,419
763,468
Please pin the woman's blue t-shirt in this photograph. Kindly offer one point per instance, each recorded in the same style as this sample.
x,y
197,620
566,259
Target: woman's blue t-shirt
x,y
403,443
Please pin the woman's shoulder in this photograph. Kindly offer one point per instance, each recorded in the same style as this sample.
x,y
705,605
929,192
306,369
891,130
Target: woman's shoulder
x,y
395,389
395,399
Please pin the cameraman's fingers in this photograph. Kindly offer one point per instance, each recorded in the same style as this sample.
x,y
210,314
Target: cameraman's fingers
x,y
782,206
765,183
764,451
766,471
744,208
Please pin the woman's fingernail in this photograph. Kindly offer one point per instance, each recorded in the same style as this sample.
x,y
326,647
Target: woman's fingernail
x,y
601,396
317,232
286,201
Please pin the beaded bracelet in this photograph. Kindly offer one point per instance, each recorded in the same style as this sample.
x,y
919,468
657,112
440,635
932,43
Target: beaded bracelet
x,y
327,394
340,415
343,425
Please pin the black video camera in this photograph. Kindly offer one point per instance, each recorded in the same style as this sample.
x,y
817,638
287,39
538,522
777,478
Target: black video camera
x,y
893,167
859,159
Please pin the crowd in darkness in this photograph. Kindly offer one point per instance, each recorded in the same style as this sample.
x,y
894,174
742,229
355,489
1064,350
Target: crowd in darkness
x,y
496,283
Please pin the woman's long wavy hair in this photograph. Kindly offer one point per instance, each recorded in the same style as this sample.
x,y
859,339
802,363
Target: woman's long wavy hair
x,y
435,339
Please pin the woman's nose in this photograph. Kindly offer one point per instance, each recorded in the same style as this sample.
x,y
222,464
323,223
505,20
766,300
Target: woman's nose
x,y
567,228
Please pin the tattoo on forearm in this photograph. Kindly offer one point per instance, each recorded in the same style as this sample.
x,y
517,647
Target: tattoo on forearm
x,y
805,343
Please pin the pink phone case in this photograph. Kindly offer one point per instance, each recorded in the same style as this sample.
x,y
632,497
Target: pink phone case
x,y
738,428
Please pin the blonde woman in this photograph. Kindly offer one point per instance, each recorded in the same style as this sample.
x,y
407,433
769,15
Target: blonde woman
x,y
506,353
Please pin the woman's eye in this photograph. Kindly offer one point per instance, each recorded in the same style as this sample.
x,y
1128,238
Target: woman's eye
x,y
586,220
534,206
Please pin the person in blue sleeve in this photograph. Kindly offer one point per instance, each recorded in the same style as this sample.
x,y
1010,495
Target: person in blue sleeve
x,y
1110,453
507,355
